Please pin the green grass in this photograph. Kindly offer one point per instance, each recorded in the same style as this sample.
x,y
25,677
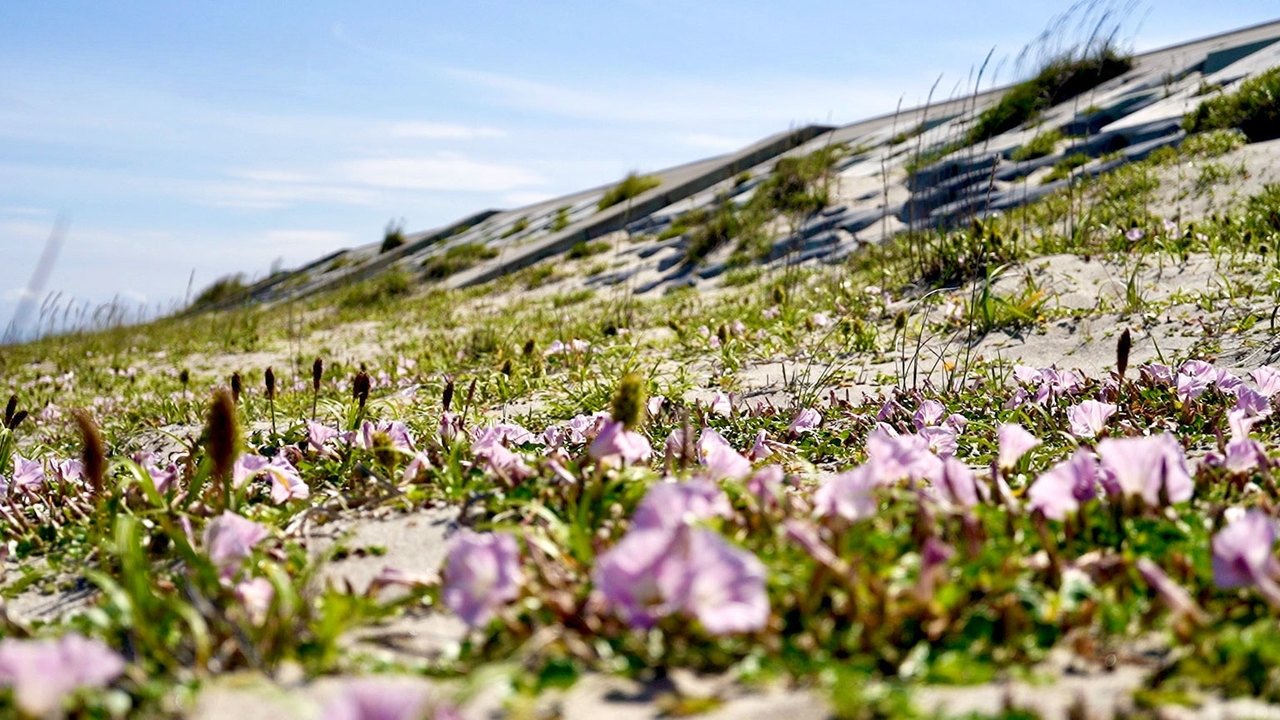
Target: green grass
x,y
632,185
1253,108
1057,81
456,259
219,291
1062,169
1045,143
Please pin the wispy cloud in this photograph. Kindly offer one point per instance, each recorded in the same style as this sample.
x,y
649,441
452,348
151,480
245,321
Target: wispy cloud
x,y
444,171
441,131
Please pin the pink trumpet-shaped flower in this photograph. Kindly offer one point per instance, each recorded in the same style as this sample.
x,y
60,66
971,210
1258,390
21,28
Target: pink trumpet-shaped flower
x,y
1267,379
481,574
385,698
27,474
721,460
616,443
668,504
1014,441
1089,417
957,484
1242,555
44,673
1061,489
229,538
851,495
807,420
723,586
1144,466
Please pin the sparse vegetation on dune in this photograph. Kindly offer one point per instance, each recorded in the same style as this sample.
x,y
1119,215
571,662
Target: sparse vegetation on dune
x,y
954,456
632,185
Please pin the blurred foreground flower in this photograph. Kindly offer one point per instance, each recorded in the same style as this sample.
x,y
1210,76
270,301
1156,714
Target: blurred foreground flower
x,y
44,673
481,574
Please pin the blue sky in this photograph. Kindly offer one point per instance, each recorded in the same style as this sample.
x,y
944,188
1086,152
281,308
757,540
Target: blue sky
x,y
213,137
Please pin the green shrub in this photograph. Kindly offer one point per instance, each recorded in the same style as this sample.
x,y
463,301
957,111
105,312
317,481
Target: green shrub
x,y
1254,109
1064,167
632,185
719,228
229,287
586,249
561,220
393,283
517,227
1059,80
1212,143
456,259
393,237
798,182
1039,146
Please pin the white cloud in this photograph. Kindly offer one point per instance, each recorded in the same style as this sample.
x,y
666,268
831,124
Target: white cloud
x,y
441,131
444,171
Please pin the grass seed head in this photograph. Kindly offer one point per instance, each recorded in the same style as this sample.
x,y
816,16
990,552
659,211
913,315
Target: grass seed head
x,y
1123,346
221,432
629,400
93,452
270,379
360,387
317,371
236,387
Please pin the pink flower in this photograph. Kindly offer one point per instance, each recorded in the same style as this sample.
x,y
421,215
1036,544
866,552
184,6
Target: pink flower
x,y
1242,554
721,460
902,457
616,443
504,434
850,495
656,572
286,483
481,574
722,586
1252,403
385,698
722,404
1061,489
1142,466
229,538
760,450
957,484
256,596
44,673
807,420
928,414
1089,417
319,436
27,474
766,484
1194,377
668,504
385,434
1268,380
1014,442
1157,374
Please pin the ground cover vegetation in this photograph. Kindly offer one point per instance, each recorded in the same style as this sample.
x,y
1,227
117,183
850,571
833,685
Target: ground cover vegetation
x,y
620,505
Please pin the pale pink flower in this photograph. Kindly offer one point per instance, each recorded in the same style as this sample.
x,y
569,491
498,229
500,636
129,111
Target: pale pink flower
x,y
851,495
1173,595
481,574
1142,466
1089,418
1267,379
255,595
44,673
229,538
720,459
616,443
1014,442
668,504
1060,490
760,449
1242,555
807,420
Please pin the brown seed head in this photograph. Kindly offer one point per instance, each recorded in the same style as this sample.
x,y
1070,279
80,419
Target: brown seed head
x,y
9,410
317,371
184,377
447,400
1123,346
221,433
270,378
93,453
236,387
360,387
